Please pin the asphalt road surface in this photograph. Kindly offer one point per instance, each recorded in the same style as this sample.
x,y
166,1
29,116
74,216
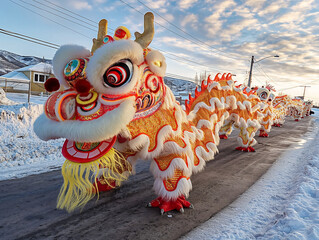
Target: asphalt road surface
x,y
27,205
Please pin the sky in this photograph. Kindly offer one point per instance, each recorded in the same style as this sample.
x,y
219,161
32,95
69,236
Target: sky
x,y
194,35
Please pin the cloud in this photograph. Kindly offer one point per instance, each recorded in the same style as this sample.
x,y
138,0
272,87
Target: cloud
x,y
99,1
255,5
234,30
297,62
185,4
199,53
213,21
81,5
244,12
163,21
297,13
190,19
182,44
157,4
242,30
289,18
303,5
273,7
107,9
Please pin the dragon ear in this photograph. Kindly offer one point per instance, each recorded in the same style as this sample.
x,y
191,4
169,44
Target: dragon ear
x,y
156,62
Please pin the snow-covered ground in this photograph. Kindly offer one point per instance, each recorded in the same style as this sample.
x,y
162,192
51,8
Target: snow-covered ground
x,y
283,204
21,152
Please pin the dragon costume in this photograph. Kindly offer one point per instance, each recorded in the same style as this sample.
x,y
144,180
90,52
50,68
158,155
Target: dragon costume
x,y
113,108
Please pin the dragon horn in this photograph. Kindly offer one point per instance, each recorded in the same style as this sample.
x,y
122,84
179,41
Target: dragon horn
x,y
146,37
100,35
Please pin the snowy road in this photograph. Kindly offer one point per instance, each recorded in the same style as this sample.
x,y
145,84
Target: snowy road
x,y
27,207
282,205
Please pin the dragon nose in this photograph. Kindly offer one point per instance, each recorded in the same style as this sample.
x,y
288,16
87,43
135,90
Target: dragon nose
x,y
86,96
83,87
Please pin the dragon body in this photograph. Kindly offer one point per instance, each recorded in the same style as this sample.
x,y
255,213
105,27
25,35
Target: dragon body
x,y
113,108
281,105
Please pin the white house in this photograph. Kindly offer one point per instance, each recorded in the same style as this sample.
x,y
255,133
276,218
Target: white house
x,y
32,76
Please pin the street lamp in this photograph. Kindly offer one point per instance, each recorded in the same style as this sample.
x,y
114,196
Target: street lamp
x,y
251,66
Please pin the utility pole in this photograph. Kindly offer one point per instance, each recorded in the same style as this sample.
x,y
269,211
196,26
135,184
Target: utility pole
x,y
251,66
304,91
251,69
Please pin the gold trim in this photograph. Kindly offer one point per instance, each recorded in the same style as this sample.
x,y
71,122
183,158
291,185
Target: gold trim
x,y
87,102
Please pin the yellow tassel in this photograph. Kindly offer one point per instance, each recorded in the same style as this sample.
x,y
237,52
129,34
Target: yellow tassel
x,y
80,184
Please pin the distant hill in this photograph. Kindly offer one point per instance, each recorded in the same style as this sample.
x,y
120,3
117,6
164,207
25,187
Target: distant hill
x,y
11,61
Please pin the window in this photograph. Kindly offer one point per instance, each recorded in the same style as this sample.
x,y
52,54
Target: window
x,y
40,78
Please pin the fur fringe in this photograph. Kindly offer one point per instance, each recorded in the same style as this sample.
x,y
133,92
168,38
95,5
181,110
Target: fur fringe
x,y
80,182
184,186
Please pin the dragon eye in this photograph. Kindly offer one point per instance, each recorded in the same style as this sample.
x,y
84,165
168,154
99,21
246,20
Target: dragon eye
x,y
118,74
263,95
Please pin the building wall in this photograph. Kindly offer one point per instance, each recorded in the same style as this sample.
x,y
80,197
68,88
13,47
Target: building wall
x,y
37,87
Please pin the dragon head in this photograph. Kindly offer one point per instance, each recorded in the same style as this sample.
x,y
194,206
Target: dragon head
x,y
105,89
262,93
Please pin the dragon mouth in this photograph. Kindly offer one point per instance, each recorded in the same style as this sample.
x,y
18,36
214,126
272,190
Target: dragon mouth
x,y
97,125
83,152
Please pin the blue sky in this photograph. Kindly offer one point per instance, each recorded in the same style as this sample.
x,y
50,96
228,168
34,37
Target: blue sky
x,y
211,35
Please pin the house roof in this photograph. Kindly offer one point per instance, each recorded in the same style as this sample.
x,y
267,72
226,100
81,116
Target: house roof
x,y
19,75
16,75
40,67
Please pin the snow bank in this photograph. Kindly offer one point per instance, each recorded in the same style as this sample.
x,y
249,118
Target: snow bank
x,y
3,98
283,204
21,152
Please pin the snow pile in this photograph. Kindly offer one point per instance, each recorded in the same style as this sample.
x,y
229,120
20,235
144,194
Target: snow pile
x,y
300,218
3,98
283,204
21,151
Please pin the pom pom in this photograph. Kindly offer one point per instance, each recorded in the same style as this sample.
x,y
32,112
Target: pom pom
x,y
122,33
82,86
52,85
107,39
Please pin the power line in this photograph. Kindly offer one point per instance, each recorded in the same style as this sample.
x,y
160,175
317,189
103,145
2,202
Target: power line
x,y
258,80
76,14
172,31
153,47
266,74
188,61
95,22
55,46
79,24
282,89
70,11
79,19
36,39
194,62
183,30
26,39
49,19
